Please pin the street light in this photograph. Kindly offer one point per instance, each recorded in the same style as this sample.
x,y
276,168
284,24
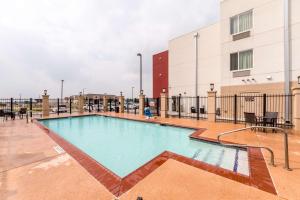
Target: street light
x,y
121,93
83,91
45,92
196,36
132,92
62,89
141,72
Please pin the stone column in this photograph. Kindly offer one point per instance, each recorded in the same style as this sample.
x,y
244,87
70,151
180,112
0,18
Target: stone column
x,y
163,105
80,103
141,104
296,108
105,104
211,106
121,101
45,105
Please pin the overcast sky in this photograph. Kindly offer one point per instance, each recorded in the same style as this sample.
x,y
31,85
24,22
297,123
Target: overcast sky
x,y
90,44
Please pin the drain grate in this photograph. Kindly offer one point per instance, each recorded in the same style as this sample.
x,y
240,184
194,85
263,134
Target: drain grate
x,y
58,149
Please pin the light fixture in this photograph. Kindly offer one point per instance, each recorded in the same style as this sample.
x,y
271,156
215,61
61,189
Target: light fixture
x,y
45,92
80,93
298,80
269,78
248,80
142,91
121,93
212,86
164,90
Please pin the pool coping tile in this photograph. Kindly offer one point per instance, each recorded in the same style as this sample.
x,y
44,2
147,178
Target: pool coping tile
x,y
259,176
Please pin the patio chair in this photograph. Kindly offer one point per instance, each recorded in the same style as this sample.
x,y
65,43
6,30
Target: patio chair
x,y
270,119
22,112
2,114
252,119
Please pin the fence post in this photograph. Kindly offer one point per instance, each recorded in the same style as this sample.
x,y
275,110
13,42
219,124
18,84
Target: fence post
x,y
179,106
70,105
163,105
296,109
80,103
264,104
30,107
197,107
45,105
127,105
11,105
105,104
121,100
57,106
157,106
235,108
141,104
211,106
134,100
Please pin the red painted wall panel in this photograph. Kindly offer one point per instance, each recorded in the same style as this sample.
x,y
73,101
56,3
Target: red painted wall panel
x,y
160,73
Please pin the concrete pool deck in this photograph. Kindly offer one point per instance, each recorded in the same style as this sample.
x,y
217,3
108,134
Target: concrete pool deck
x,y
30,168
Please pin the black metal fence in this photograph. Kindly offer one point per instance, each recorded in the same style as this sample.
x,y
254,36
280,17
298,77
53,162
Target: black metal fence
x,y
188,107
154,105
10,107
232,108
132,106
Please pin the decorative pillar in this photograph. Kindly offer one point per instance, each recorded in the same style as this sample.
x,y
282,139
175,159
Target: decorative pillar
x,y
163,105
105,103
45,105
80,103
211,106
141,104
121,101
296,108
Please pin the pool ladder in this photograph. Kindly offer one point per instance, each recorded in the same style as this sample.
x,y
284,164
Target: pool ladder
x,y
286,148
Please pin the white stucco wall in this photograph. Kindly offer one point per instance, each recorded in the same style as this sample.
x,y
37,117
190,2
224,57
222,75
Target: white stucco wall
x,y
182,61
216,45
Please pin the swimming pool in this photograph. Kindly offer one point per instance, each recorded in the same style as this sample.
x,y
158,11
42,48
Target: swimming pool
x,y
123,145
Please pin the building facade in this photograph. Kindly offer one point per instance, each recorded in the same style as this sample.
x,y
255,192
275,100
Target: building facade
x,y
254,48
160,73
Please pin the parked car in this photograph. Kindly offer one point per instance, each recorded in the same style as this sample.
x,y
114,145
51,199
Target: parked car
x,y
62,109
86,107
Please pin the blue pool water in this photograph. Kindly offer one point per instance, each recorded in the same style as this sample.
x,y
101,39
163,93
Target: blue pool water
x,y
124,145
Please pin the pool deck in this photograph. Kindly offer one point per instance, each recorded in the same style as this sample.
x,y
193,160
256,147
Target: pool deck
x,y
30,168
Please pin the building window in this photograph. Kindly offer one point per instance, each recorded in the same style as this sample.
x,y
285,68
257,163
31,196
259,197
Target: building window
x,y
241,60
241,23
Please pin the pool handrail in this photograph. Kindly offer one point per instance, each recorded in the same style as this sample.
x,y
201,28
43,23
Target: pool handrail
x,y
286,148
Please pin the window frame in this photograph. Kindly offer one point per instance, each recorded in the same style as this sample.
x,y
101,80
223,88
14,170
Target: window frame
x,y
238,60
238,22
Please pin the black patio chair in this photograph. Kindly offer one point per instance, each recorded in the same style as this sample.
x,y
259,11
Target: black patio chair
x,y
22,112
270,119
2,114
252,119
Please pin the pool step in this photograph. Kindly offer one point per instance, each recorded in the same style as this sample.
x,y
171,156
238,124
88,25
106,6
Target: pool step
x,y
232,159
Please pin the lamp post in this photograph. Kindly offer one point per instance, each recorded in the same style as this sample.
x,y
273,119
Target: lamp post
x,y
132,88
83,91
62,90
196,36
141,72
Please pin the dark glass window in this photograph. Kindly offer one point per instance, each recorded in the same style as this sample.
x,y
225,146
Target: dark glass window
x,y
234,61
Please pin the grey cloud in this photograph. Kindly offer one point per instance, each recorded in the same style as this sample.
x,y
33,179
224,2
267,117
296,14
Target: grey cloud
x,y
89,43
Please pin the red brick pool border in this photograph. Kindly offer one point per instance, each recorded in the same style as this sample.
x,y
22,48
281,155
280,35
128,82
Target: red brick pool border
x,y
259,176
